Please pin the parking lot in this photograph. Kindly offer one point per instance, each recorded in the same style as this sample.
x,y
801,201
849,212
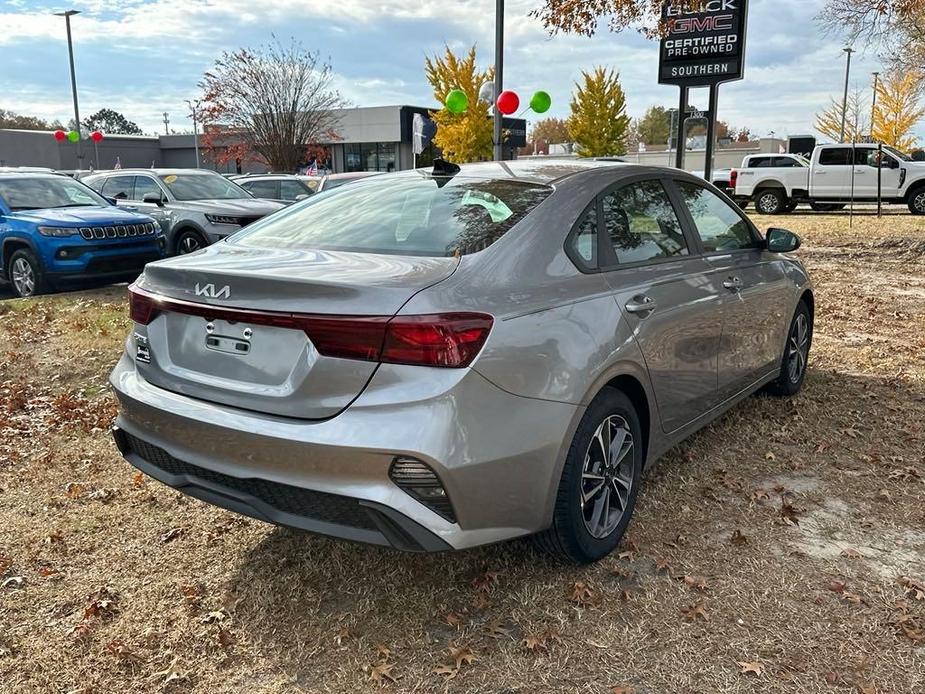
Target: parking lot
x,y
780,550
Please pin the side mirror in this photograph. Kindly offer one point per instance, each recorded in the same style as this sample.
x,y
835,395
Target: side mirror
x,y
782,241
111,201
894,163
153,198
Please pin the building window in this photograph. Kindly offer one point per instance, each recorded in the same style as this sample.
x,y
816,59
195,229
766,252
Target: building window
x,y
371,156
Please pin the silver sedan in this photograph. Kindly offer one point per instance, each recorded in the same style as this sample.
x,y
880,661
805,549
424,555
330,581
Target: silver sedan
x,y
436,360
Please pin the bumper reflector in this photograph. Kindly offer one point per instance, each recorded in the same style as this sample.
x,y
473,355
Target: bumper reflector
x,y
421,483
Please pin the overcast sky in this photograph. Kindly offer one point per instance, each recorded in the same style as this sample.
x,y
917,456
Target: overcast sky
x,y
145,57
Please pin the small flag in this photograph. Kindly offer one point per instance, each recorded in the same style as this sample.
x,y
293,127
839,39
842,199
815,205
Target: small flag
x,y
118,163
313,169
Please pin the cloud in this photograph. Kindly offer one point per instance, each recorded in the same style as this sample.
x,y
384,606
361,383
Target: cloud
x,y
144,57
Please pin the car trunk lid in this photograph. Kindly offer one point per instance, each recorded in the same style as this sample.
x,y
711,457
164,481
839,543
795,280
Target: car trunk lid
x,y
248,327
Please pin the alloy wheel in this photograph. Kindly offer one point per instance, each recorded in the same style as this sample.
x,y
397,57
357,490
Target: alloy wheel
x,y
607,477
189,243
768,203
798,348
23,276
919,202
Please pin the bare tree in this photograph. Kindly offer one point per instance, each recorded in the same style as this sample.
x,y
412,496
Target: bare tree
x,y
273,104
894,28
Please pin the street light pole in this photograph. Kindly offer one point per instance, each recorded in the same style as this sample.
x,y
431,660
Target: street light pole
x,y
193,106
844,111
499,77
873,108
70,53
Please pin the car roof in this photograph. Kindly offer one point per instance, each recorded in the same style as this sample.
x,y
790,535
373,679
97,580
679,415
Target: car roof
x,y
7,173
158,172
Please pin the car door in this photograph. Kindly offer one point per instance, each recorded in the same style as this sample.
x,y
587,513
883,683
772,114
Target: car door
x,y
752,283
866,164
660,285
831,175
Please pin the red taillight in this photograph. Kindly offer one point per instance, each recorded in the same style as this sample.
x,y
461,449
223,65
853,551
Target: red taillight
x,y
448,340
142,307
733,178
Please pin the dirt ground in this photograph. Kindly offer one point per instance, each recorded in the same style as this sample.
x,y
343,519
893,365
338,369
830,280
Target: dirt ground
x,y
780,550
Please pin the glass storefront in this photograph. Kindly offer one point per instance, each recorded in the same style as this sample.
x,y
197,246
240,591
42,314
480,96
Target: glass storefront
x,y
371,156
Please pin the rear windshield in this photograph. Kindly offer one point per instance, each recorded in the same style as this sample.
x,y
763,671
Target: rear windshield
x,y
401,215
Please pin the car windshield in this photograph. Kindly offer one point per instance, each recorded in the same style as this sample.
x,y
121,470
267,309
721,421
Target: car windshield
x,y
203,186
405,215
47,192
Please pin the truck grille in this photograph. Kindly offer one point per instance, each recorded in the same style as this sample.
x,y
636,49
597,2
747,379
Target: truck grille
x,y
329,508
120,231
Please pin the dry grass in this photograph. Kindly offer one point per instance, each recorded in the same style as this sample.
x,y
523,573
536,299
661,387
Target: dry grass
x,y
113,583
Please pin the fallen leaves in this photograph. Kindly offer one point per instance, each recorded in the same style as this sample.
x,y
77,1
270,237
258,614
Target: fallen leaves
x,y
738,538
118,648
539,642
914,589
458,657
581,594
696,611
381,672
751,668
172,535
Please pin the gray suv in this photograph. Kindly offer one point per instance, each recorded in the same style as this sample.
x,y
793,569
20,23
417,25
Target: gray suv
x,y
194,207
440,360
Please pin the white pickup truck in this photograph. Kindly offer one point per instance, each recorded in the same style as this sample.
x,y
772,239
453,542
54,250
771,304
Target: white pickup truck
x,y
836,175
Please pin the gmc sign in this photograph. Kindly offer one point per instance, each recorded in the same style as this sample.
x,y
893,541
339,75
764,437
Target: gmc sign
x,y
703,46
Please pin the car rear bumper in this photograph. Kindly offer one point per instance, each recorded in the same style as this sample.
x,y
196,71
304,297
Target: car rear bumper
x,y
498,456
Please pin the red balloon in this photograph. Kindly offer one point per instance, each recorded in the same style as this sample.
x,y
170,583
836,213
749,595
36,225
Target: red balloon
x,y
60,135
508,102
96,136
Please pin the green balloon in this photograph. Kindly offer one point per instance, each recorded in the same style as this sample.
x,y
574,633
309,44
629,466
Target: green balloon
x,y
541,102
73,136
457,101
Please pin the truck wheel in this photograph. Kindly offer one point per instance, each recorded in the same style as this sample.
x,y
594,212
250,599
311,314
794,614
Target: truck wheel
x,y
771,201
826,206
917,201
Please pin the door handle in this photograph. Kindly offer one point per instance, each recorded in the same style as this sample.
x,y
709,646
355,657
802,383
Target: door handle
x,y
641,304
733,284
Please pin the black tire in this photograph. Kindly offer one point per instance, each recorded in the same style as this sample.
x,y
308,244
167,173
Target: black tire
x,y
569,538
826,206
26,274
188,241
743,203
917,201
788,384
771,201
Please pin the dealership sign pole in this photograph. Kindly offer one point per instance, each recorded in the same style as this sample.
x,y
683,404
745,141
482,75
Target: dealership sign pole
x,y
703,46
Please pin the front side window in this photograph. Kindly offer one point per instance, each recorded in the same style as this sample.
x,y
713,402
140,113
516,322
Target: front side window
x,y
118,187
836,156
787,163
720,227
146,186
202,186
261,189
641,225
407,215
293,190
47,192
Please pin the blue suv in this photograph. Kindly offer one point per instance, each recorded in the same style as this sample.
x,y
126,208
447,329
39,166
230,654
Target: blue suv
x,y
56,231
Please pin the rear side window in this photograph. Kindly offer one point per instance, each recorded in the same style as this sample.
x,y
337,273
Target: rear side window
x,y
641,225
836,156
759,162
583,242
118,187
720,227
401,215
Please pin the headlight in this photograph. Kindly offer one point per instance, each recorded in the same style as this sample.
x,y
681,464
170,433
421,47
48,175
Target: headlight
x,y
58,231
222,219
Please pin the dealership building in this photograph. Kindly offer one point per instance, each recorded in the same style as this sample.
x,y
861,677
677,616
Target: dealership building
x,y
367,139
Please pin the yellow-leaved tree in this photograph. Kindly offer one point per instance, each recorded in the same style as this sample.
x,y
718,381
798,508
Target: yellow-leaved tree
x,y
899,109
857,121
463,137
599,123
